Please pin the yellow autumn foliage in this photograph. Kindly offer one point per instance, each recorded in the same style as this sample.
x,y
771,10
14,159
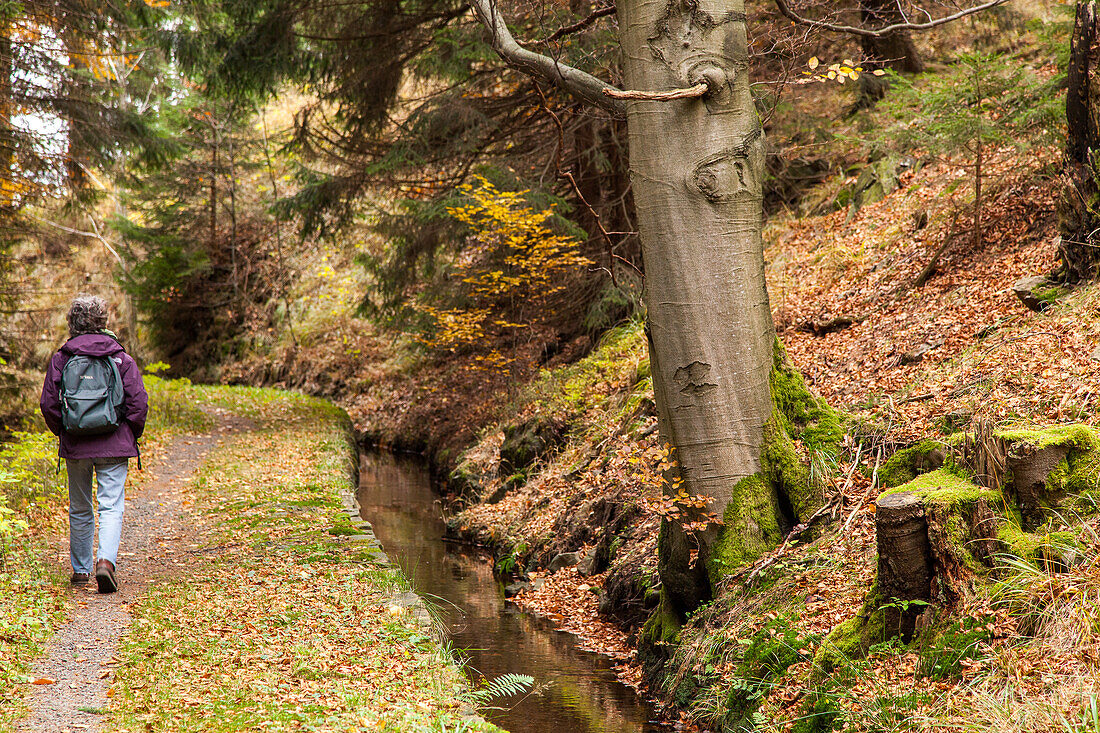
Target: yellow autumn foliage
x,y
512,253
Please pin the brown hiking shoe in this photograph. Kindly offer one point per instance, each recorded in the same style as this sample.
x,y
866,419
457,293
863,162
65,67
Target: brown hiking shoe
x,y
79,578
105,576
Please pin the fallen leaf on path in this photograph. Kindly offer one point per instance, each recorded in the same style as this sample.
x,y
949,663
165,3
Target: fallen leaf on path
x,y
43,681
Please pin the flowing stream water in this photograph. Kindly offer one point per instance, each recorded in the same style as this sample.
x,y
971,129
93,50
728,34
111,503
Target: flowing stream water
x,y
575,690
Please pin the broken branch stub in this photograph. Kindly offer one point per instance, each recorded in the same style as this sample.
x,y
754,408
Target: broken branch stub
x,y
904,562
691,92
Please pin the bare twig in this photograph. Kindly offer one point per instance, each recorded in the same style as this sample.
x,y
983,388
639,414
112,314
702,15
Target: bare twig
x,y
794,534
568,175
866,496
580,25
786,11
92,235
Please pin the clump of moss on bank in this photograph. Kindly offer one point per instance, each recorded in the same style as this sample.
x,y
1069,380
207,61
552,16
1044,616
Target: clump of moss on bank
x,y
908,463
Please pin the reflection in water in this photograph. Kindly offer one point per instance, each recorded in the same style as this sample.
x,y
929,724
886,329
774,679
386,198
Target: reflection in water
x,y
576,690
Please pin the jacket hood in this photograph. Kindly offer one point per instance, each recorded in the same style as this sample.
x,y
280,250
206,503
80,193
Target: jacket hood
x,y
92,344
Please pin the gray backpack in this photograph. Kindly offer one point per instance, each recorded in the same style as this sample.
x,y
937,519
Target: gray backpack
x,y
91,395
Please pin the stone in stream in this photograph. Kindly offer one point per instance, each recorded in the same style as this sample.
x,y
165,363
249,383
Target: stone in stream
x,y
514,589
564,560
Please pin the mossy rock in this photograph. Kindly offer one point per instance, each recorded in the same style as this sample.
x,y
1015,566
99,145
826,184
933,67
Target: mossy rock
x,y
876,181
908,463
529,441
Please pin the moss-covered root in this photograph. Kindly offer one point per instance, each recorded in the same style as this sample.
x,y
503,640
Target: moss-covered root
x,y
766,505
658,637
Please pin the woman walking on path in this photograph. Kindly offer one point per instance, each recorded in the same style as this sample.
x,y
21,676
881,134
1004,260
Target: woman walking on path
x,y
94,400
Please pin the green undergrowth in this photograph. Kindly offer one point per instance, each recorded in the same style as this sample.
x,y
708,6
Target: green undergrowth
x,y
32,597
618,360
284,616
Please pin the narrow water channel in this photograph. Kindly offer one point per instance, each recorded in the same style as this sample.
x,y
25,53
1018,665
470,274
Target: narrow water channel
x,y
576,691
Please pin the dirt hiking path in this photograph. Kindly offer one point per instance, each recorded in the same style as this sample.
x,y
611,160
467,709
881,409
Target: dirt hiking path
x,y
154,543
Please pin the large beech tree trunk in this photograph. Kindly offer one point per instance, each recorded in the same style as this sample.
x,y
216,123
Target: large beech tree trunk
x,y
696,167
1078,215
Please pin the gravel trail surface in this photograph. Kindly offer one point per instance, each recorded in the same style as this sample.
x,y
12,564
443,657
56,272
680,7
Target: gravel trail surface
x,y
155,541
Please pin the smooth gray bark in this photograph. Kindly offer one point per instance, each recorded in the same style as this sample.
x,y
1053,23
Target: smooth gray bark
x,y
696,167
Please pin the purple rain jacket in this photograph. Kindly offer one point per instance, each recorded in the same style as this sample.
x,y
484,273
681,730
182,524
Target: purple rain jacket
x,y
135,402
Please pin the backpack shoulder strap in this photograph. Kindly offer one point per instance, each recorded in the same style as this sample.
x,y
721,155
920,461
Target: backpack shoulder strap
x,y
118,393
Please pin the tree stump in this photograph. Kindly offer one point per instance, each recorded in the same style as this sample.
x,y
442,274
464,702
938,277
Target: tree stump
x,y
904,562
1030,469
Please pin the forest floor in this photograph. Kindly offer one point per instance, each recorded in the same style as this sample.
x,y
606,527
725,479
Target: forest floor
x,y
249,598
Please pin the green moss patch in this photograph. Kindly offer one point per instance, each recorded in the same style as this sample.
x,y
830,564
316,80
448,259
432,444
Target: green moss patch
x,y
945,487
1067,436
805,416
752,517
908,463
750,526
1035,547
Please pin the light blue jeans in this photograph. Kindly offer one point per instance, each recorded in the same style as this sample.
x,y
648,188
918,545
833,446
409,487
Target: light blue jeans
x,y
111,494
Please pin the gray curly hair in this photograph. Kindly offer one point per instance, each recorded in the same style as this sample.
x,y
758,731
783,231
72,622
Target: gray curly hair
x,y
87,314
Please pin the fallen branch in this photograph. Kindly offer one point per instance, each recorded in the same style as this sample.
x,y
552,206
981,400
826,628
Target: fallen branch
x,y
866,496
930,269
829,325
